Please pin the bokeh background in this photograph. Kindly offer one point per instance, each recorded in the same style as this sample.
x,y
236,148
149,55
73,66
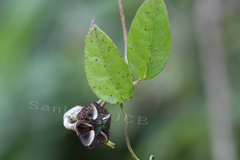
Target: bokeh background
x,y
42,75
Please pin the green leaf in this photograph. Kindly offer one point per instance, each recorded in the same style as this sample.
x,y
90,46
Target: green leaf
x,y
108,74
149,40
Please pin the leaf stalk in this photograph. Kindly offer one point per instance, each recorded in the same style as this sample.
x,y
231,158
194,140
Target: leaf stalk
x,y
137,81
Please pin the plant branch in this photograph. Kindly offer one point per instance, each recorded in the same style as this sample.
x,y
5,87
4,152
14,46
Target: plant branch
x,y
125,36
126,133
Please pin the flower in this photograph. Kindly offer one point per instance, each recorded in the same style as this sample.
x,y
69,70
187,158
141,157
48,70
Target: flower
x,y
91,123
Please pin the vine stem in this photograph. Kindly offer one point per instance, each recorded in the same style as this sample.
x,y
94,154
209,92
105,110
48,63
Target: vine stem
x,y
126,133
125,35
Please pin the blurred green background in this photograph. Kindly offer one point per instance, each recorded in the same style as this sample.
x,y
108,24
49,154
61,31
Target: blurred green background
x,y
42,74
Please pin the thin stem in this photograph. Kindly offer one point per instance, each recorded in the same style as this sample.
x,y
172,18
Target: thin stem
x,y
137,82
126,133
125,36
103,104
99,101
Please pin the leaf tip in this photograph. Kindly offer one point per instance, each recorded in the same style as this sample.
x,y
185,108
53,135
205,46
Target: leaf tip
x,y
93,21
